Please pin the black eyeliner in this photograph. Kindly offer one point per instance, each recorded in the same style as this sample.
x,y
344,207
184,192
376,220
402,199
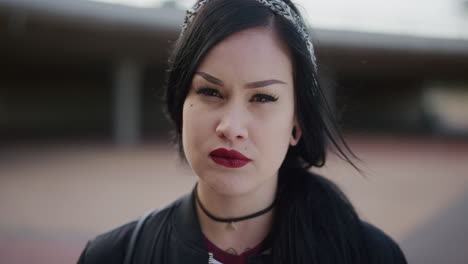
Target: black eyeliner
x,y
268,98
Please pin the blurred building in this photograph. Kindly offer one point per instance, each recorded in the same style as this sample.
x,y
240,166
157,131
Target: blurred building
x,y
82,69
77,70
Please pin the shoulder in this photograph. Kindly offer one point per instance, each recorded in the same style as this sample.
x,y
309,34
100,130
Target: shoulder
x,y
111,246
108,247
382,248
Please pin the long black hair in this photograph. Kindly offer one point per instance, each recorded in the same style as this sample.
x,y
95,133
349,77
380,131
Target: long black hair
x,y
314,222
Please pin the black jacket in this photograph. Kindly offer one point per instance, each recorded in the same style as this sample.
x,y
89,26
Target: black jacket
x,y
173,235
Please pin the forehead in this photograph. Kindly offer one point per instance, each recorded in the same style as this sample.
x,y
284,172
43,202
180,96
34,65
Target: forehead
x,y
249,55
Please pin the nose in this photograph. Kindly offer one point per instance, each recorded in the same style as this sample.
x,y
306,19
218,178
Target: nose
x,y
233,124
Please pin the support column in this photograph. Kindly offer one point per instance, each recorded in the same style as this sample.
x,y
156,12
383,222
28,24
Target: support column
x,y
127,103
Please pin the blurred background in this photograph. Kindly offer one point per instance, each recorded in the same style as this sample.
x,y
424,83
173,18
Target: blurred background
x,y
85,146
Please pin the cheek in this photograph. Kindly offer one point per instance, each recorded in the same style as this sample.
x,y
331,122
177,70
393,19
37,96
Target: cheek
x,y
187,126
277,120
276,135
272,136
195,126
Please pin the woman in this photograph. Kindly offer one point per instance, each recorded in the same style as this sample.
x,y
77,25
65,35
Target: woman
x,y
251,119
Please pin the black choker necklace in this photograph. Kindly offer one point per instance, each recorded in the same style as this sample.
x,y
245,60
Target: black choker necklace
x,y
231,221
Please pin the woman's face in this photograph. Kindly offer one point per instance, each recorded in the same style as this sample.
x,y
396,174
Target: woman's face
x,y
241,101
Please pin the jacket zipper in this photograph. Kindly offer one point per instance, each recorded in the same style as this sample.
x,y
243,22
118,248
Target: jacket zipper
x,y
210,258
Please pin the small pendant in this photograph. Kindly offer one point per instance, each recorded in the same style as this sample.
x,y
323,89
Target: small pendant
x,y
232,226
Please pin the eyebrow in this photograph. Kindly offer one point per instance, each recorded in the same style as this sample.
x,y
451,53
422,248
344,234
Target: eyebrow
x,y
258,84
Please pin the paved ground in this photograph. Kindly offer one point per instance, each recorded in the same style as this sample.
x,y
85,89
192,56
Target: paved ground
x,y
55,197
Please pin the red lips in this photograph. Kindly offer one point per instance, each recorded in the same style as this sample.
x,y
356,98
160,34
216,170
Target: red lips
x,y
229,158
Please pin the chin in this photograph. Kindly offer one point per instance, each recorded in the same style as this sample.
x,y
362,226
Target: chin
x,y
234,184
227,184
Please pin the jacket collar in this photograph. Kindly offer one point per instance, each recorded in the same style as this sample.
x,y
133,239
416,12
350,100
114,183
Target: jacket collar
x,y
186,224
188,230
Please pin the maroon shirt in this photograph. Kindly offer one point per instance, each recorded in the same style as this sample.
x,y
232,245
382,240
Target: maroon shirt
x,y
226,258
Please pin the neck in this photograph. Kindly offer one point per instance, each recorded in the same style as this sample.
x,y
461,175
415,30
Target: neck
x,y
248,233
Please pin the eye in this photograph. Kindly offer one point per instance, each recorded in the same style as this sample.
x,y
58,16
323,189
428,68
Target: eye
x,y
264,98
209,92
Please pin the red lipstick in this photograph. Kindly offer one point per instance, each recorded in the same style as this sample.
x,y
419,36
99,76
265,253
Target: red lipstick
x,y
229,158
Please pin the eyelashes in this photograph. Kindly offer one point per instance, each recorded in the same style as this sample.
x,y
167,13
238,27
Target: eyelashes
x,y
265,98
259,98
209,92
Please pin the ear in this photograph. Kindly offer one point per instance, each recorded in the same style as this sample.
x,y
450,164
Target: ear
x,y
296,134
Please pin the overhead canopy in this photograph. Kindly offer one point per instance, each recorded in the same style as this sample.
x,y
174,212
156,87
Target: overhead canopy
x,y
79,29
